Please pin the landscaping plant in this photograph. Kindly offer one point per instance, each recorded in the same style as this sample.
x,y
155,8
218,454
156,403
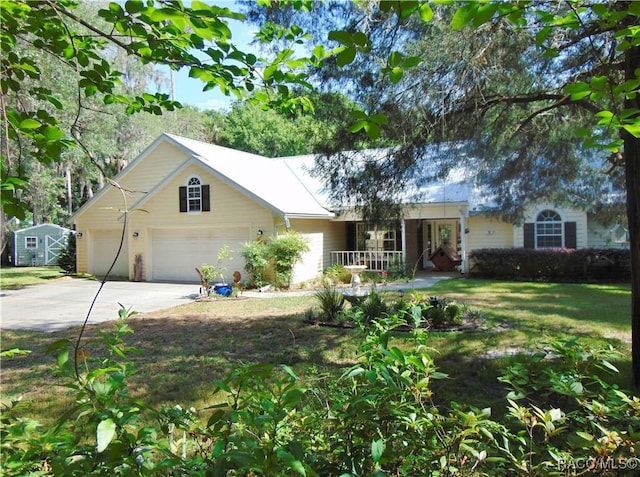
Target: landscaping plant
x,y
272,261
378,417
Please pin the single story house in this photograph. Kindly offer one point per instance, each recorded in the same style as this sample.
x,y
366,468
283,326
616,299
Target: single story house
x,y
181,200
39,245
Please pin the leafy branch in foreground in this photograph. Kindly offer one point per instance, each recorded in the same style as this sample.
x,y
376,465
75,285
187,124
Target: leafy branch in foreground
x,y
379,417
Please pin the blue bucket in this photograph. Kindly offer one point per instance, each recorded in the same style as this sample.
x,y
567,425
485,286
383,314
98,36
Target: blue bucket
x,y
224,289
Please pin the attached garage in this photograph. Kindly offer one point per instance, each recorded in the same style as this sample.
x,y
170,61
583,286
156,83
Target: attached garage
x,y
177,252
105,244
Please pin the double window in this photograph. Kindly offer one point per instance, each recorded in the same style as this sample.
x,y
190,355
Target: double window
x,y
195,196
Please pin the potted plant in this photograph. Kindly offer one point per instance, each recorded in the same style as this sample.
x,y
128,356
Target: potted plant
x,y
215,273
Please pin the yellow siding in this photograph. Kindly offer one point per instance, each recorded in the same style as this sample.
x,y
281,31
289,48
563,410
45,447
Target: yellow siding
x,y
323,237
435,211
229,208
488,232
107,208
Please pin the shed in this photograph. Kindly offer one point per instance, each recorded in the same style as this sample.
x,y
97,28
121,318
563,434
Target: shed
x,y
445,258
39,245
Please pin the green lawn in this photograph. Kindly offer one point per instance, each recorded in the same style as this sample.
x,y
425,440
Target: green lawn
x,y
185,349
12,278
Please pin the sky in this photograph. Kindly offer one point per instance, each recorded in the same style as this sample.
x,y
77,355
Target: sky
x,y
188,91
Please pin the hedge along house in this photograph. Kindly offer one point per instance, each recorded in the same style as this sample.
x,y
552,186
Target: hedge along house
x,y
185,199
40,245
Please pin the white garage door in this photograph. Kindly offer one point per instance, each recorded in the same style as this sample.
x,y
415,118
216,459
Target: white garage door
x,y
105,245
177,252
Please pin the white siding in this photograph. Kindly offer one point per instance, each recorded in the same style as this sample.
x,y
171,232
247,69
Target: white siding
x,y
600,236
567,215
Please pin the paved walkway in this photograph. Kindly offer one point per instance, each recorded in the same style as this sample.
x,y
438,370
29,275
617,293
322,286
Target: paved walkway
x,y
64,303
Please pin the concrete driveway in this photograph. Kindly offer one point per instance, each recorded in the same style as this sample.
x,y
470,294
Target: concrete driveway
x,y
64,303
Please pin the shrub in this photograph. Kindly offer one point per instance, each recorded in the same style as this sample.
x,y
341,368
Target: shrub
x,y
331,302
257,263
372,308
377,418
273,261
286,250
67,258
217,271
582,265
338,274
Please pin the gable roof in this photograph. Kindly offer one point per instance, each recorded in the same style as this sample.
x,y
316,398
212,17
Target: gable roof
x,y
460,184
269,181
287,187
34,228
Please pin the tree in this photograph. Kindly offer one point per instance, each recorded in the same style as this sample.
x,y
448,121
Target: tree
x,y
534,85
273,134
35,35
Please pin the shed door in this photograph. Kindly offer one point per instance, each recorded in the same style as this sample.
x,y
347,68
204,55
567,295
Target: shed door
x,y
54,246
105,244
177,252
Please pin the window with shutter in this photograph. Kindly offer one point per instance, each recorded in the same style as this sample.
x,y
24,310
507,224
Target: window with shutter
x,y
195,197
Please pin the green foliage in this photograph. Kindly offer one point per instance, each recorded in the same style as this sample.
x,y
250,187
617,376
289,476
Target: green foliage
x,y
557,265
257,263
379,417
331,302
440,312
67,258
147,32
286,250
337,273
373,307
217,271
279,254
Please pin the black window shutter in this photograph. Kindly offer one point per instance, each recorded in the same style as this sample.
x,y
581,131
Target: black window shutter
x,y
183,198
570,235
206,199
529,235
351,236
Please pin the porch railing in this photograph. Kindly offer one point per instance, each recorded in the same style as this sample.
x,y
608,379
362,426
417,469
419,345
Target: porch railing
x,y
375,260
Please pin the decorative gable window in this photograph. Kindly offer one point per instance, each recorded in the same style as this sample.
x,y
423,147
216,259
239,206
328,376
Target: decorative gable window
x,y
31,242
549,231
195,197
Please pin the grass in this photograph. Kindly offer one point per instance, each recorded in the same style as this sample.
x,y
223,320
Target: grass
x,y
186,349
13,278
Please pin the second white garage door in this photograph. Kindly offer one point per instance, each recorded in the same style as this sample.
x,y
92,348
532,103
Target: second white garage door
x,y
177,252
105,245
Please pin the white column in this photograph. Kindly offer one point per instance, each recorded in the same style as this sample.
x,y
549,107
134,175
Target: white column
x,y
463,240
404,242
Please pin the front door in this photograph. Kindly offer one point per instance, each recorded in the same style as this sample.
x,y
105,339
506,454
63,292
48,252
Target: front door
x,y
436,233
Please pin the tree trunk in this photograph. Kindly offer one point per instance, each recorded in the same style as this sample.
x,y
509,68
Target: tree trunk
x,y
632,176
67,180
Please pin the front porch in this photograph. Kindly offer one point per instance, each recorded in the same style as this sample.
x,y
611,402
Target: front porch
x,y
374,260
408,245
